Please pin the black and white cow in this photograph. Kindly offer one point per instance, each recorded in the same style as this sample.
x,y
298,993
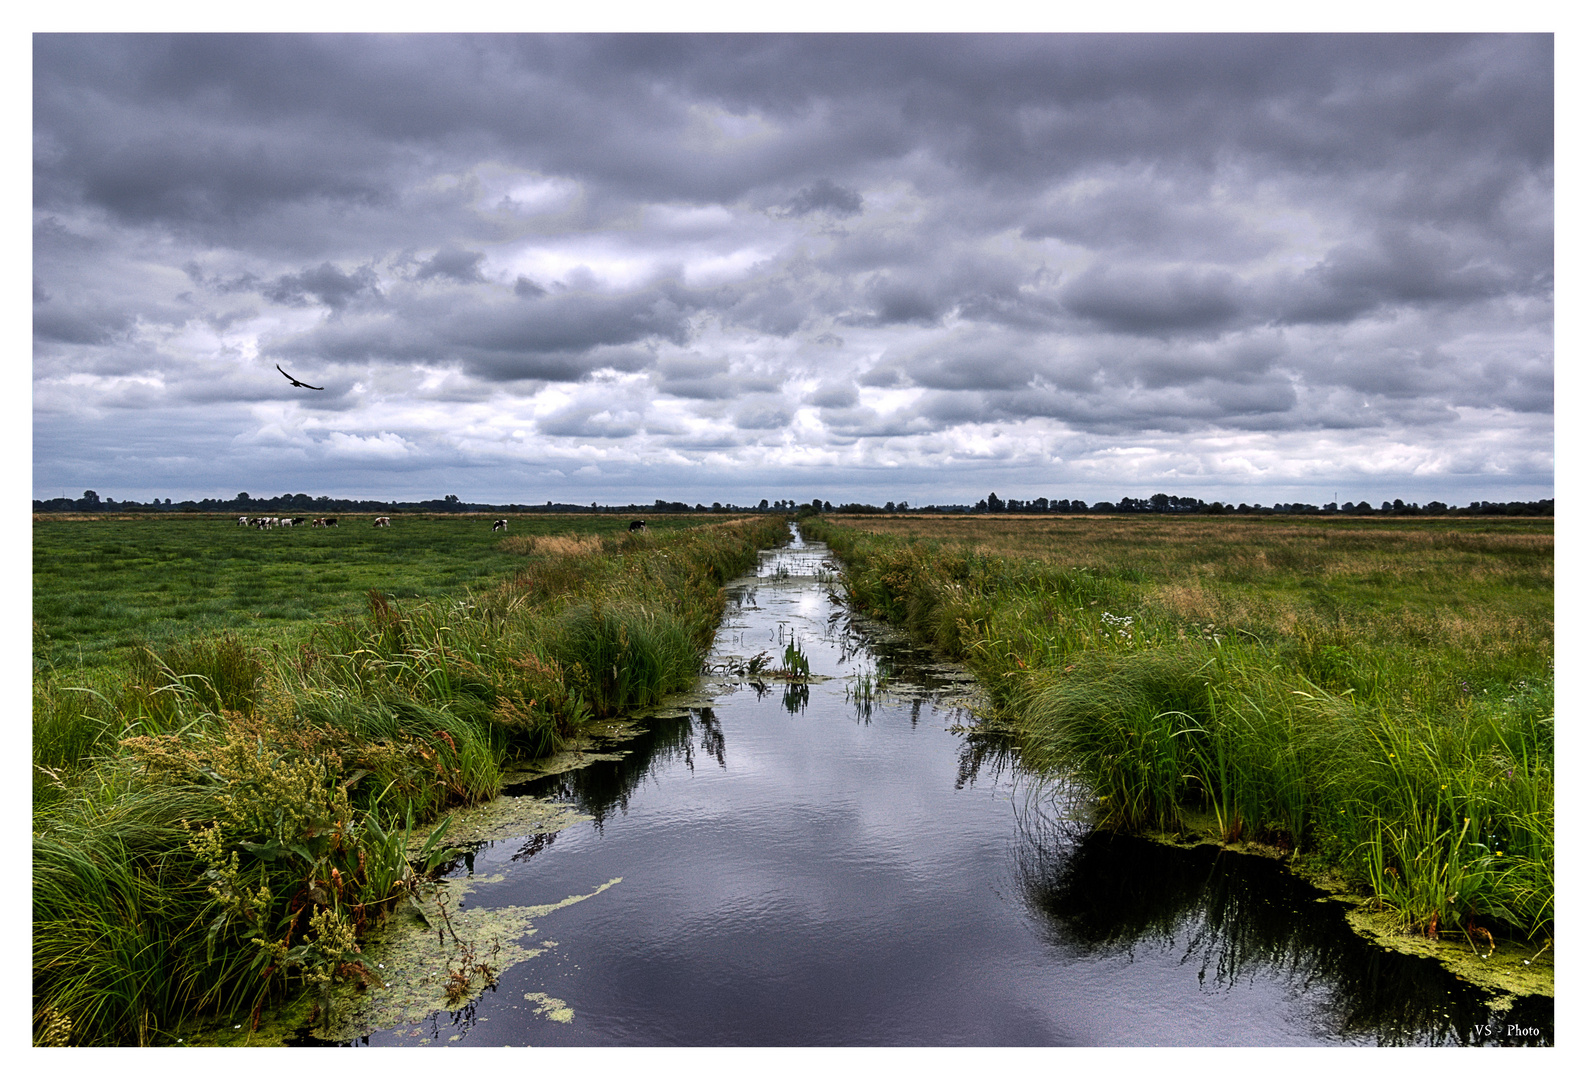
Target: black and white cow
x,y
636,526
498,525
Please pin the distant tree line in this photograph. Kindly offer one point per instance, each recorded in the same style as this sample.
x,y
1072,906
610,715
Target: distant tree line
x,y
1178,504
244,503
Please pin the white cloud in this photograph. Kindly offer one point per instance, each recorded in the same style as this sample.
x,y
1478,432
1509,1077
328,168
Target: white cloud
x,y
384,446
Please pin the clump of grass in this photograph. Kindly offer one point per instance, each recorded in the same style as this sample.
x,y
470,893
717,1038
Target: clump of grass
x,y
214,674
69,725
623,657
795,664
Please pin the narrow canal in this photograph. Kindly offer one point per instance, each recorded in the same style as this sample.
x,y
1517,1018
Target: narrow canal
x,y
844,863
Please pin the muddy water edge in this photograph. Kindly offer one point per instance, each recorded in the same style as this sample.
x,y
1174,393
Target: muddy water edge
x,y
823,847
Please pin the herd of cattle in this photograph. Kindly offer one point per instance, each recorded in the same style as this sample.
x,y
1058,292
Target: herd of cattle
x,y
498,525
287,523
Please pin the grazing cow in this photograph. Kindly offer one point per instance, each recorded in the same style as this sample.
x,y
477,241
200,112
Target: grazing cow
x,y
382,522
636,526
287,523
317,523
242,521
499,525
330,523
297,521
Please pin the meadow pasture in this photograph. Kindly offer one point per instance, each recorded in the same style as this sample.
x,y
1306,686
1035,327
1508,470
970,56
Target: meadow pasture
x,y
227,797
1373,697
105,584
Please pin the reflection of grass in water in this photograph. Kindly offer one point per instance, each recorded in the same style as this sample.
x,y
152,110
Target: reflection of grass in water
x,y
1239,917
795,696
862,690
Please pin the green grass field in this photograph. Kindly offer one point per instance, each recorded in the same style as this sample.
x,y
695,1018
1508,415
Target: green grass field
x,y
103,584
236,734
1373,696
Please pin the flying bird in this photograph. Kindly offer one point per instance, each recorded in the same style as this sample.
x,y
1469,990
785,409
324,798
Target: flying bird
x,y
295,382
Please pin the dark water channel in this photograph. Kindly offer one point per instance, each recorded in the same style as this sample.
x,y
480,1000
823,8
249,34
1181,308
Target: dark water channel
x,y
816,865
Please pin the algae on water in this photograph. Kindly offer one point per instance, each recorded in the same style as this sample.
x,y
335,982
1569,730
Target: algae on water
x,y
438,954
416,955
551,1008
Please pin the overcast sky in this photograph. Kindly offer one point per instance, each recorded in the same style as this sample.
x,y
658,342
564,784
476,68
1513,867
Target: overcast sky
x,y
730,268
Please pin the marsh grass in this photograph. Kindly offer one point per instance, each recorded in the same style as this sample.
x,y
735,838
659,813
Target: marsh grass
x,y
219,818
1374,695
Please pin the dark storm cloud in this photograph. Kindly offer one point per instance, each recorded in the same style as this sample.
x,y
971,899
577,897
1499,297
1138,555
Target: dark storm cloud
x,y
835,396
1170,217
325,284
76,324
924,291
1158,300
551,336
239,137
461,266
1400,265
835,199
695,376
911,234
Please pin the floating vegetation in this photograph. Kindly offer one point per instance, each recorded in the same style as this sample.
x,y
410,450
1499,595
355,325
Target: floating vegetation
x,y
551,1008
421,974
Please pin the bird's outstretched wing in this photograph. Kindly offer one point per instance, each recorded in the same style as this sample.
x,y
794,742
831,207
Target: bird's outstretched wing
x,y
295,382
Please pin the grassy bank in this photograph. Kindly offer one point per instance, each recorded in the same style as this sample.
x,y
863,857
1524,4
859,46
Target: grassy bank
x,y
218,818
1375,697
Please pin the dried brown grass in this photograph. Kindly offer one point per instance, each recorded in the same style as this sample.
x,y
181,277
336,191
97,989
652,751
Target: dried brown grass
x,y
571,545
